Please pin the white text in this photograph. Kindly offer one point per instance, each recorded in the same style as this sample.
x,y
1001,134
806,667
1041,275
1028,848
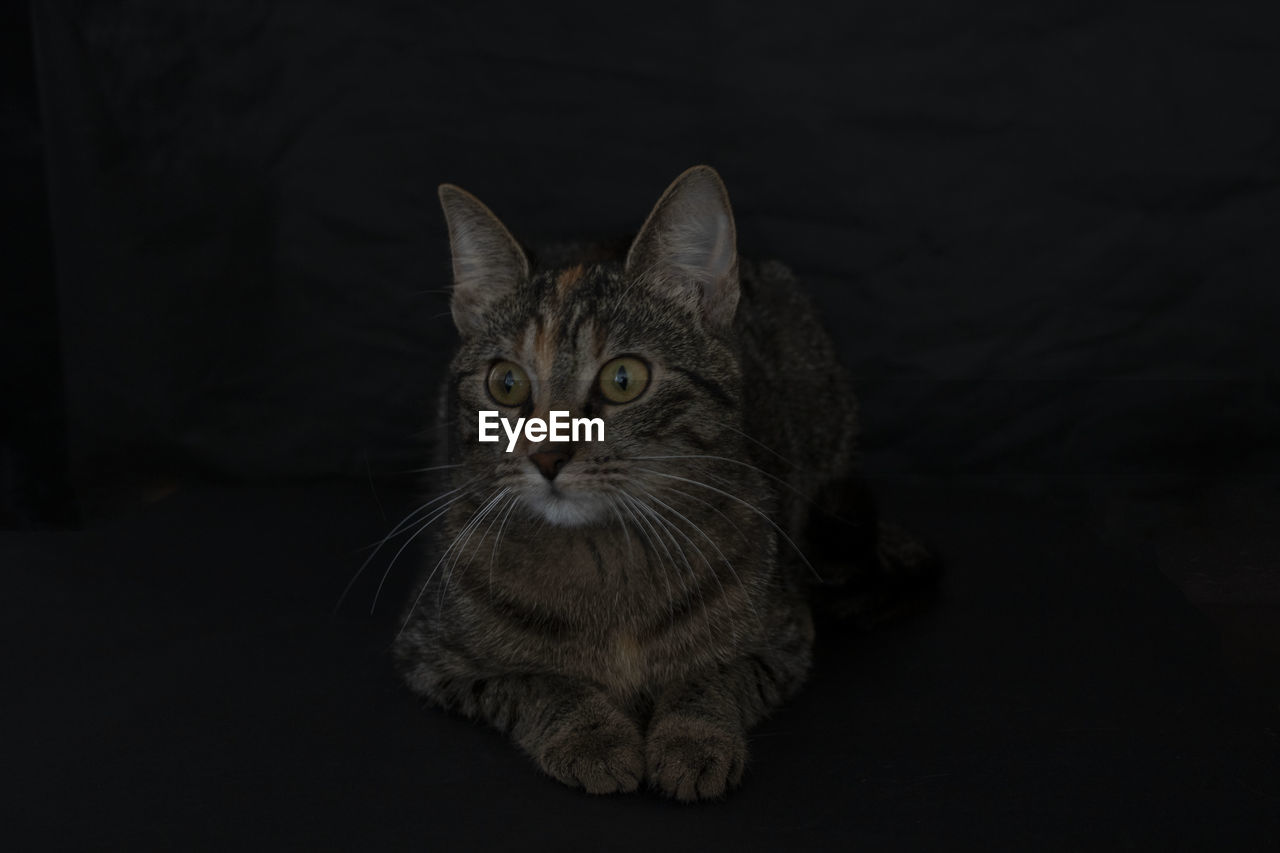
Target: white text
x,y
560,427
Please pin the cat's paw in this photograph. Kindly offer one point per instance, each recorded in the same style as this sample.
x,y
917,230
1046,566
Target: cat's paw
x,y
694,759
604,756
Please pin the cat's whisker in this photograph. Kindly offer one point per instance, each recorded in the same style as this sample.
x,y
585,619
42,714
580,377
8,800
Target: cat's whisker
x,y
797,466
497,499
749,506
463,539
404,524
623,523
493,552
669,488
713,544
426,583
645,531
688,582
730,521
437,514
755,468
432,468
631,557
669,527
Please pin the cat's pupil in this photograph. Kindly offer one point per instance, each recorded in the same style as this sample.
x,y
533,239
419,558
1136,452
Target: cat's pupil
x,y
508,381
620,378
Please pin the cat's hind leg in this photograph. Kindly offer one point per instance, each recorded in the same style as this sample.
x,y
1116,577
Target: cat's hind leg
x,y
872,570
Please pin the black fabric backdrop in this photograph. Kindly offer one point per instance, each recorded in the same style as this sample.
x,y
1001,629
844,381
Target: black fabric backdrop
x,y
1045,235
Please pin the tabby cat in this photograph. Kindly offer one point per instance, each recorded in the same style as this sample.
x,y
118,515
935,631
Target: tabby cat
x,y
627,609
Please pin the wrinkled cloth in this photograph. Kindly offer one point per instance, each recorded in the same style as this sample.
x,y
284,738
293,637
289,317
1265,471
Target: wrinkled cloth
x,y
1044,234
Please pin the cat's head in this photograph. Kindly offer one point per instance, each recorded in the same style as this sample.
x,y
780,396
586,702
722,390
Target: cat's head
x,y
643,343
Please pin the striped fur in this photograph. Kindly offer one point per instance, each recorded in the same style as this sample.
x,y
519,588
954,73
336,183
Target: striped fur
x,y
629,621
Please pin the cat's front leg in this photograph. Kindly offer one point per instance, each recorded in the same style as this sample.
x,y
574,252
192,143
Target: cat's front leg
x,y
570,728
696,746
696,749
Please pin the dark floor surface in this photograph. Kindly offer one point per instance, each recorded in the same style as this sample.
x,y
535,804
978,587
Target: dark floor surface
x,y
178,681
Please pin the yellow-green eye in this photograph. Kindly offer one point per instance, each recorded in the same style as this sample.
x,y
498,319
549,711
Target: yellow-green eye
x,y
623,379
508,383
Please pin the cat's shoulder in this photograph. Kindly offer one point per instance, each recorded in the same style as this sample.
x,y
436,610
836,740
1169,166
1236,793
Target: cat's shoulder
x,y
771,287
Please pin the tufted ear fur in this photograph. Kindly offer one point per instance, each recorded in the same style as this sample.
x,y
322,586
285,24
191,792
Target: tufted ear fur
x,y
689,245
488,263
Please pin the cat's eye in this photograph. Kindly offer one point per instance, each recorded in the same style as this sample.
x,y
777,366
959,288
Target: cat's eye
x,y
623,379
508,383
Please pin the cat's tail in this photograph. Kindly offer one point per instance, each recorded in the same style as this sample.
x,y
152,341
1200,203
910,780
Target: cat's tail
x,y
873,571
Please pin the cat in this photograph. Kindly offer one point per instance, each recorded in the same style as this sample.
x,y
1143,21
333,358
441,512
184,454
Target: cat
x,y
627,609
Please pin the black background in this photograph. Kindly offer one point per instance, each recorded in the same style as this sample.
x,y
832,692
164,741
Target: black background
x,y
1046,235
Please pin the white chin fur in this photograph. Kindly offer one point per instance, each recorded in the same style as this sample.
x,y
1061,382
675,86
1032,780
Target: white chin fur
x,y
562,508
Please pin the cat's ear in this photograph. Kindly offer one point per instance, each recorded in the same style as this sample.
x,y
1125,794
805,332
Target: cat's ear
x,y
488,263
689,244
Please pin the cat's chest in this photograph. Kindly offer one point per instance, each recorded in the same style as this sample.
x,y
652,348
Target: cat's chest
x,y
589,579
627,666
599,606
629,663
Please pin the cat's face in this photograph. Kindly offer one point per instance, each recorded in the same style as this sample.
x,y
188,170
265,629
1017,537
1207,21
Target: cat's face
x,y
591,342
644,345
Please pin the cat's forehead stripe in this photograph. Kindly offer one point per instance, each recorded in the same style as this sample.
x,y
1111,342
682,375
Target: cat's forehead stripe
x,y
544,346
563,336
530,335
568,279
583,333
597,339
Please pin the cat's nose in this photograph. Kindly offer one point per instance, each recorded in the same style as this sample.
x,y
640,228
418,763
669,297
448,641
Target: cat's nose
x,y
550,462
